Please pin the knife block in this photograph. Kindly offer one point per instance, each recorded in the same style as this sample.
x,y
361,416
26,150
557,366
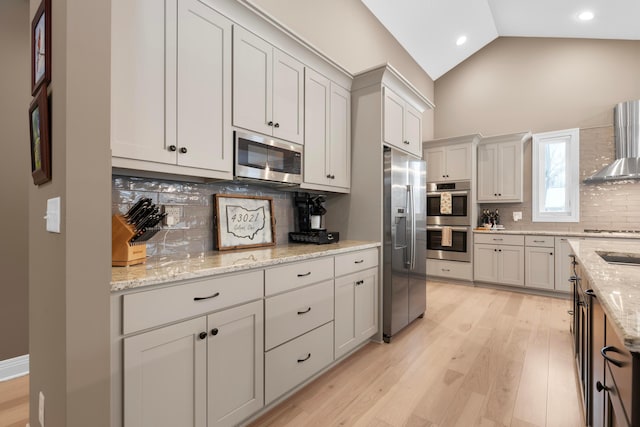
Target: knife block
x,y
123,253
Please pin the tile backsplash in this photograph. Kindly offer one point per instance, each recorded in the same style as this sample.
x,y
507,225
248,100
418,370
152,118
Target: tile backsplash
x,y
609,206
194,233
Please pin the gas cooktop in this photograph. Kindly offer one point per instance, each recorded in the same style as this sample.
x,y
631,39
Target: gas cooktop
x,y
595,230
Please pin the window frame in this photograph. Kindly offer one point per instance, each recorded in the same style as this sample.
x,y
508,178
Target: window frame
x,y
572,178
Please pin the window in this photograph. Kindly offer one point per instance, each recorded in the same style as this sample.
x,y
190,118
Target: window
x,y
555,176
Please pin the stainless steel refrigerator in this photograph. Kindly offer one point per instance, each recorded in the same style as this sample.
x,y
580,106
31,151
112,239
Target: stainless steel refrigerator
x,y
405,240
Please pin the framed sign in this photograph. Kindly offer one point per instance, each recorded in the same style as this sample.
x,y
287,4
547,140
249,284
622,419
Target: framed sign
x,y
243,221
41,46
39,138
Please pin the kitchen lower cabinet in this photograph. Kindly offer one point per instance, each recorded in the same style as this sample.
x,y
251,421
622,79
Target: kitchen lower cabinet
x,y
539,262
563,267
203,372
356,310
456,270
499,262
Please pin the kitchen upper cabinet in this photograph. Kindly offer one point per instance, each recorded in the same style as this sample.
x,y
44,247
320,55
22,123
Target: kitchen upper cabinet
x,y
500,168
171,88
449,162
327,150
402,127
268,88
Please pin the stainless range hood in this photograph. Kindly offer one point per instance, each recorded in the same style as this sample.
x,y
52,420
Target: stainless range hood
x,y
626,121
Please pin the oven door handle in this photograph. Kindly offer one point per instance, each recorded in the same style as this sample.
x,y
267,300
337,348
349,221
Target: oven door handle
x,y
453,193
438,227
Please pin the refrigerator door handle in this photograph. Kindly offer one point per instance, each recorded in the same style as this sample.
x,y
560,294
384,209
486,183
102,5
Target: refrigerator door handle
x,y
412,242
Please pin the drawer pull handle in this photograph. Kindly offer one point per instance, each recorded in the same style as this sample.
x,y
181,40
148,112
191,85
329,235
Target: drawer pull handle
x,y
612,349
209,297
498,240
590,292
600,386
359,262
305,358
305,311
304,275
445,269
538,241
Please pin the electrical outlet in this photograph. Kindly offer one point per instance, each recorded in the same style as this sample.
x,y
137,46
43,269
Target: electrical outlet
x,y
517,216
174,213
41,409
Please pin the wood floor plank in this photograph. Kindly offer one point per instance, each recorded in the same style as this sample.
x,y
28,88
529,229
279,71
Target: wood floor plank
x,y
14,402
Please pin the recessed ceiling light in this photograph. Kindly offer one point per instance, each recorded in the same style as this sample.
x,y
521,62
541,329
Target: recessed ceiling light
x,y
461,40
587,15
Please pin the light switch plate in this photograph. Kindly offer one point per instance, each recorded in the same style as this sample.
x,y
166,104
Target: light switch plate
x,y
53,215
41,409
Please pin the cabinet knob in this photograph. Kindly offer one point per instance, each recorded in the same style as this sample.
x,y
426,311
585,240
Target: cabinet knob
x,y
359,282
202,335
270,124
277,125
495,250
329,176
499,250
495,194
214,331
600,386
172,148
183,150
499,194
551,253
406,142
333,176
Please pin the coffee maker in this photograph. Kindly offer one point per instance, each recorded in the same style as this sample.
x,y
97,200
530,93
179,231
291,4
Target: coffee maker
x,y
309,210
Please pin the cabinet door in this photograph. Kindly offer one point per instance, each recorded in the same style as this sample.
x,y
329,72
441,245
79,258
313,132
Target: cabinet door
x,y
339,144
288,95
316,117
511,265
510,171
144,37
235,364
393,113
597,363
366,305
252,82
165,376
485,262
435,158
204,88
344,323
539,269
487,173
563,270
458,162
412,130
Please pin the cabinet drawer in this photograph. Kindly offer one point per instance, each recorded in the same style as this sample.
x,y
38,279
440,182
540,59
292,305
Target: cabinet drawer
x,y
149,309
293,313
356,261
450,269
499,239
541,241
622,375
291,276
292,363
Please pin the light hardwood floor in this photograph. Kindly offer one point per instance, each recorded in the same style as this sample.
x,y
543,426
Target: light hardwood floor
x,y
14,402
480,357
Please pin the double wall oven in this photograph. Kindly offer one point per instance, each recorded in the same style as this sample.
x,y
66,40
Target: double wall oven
x,y
449,220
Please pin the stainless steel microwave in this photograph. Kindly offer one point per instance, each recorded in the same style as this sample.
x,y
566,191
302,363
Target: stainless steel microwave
x,y
259,157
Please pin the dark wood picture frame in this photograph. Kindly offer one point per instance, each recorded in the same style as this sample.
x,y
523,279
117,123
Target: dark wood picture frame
x,y
39,137
243,222
41,51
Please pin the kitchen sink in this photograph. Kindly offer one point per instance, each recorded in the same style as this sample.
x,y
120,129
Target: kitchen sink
x,y
624,258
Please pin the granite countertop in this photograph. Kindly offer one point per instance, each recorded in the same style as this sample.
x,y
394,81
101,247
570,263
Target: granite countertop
x,y
605,235
616,286
159,270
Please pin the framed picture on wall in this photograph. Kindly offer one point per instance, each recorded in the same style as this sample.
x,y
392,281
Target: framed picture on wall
x,y
41,47
40,142
243,221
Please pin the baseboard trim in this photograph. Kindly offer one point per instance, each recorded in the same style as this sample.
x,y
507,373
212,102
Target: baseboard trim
x,y
14,367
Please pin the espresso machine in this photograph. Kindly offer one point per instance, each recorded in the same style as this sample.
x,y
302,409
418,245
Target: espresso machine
x,y
309,210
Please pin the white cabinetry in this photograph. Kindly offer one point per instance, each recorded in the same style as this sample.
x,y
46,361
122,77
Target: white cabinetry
x,y
500,168
451,159
268,88
539,262
327,150
456,270
207,371
499,259
402,126
171,88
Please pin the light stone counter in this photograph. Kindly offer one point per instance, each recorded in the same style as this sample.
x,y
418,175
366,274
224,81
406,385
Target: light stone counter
x,y
617,287
159,270
563,233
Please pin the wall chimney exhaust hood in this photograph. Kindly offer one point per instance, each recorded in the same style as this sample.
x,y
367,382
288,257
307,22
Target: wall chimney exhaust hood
x,y
626,122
